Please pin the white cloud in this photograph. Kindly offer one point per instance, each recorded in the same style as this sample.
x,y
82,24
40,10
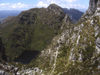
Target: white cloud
x,y
76,6
62,3
9,6
56,1
42,4
19,5
70,1
4,4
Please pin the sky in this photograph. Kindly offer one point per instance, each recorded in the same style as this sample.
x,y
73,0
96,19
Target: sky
x,y
27,4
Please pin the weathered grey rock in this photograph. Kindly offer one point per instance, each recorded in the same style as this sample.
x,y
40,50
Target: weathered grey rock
x,y
7,70
2,72
98,4
93,5
98,42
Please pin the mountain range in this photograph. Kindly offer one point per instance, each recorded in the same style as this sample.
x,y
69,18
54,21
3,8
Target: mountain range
x,y
71,12
6,13
45,41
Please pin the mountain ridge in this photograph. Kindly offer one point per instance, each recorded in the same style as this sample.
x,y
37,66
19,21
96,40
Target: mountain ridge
x,y
74,50
38,23
11,13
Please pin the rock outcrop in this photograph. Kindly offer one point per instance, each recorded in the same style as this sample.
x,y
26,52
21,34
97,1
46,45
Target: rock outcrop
x,y
6,69
93,6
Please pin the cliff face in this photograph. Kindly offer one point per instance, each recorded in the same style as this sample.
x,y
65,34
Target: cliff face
x,y
93,6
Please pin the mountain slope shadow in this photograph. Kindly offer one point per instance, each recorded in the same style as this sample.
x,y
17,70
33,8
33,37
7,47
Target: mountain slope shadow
x,y
27,56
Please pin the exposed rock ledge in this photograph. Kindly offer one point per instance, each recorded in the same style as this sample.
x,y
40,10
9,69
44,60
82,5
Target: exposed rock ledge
x,y
8,70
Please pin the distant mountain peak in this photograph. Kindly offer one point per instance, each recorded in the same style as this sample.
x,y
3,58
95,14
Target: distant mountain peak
x,y
53,5
55,8
74,14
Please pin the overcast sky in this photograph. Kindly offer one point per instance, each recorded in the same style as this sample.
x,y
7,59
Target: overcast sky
x,y
27,4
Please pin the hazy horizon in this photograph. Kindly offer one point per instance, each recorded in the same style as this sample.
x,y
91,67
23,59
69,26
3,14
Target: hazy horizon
x,y
28,4
19,10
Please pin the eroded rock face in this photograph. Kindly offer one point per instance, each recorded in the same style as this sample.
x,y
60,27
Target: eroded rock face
x,y
93,5
6,69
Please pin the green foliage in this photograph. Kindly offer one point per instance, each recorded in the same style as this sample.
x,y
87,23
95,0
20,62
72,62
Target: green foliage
x,y
31,30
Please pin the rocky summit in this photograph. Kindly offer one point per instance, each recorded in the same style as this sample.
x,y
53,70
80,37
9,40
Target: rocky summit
x,y
74,50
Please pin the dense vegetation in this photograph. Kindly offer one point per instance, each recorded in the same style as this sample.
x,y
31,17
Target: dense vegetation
x,y
31,30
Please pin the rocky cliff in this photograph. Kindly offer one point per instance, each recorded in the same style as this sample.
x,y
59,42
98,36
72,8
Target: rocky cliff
x,y
75,51
94,6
